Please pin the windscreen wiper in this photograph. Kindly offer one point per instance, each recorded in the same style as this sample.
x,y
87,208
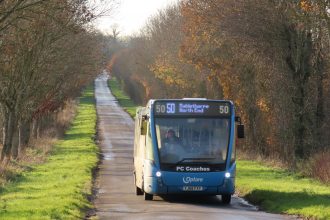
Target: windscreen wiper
x,y
194,160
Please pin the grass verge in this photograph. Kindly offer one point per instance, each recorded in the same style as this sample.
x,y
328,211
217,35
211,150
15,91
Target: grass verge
x,y
58,188
123,99
279,191
273,189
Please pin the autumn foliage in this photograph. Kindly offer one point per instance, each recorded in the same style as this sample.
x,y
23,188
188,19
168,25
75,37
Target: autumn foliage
x,y
270,57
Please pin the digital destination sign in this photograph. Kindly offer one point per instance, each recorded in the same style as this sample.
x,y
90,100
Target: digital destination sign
x,y
191,108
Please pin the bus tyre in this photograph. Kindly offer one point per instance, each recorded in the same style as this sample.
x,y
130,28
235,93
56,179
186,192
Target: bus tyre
x,y
226,198
148,196
138,191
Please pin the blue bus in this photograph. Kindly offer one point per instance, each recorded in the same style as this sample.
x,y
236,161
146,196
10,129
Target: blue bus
x,y
186,146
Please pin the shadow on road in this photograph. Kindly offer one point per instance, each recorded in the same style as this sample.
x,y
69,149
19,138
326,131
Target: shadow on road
x,y
209,201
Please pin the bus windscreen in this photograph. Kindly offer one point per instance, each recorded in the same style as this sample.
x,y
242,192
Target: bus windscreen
x,y
192,140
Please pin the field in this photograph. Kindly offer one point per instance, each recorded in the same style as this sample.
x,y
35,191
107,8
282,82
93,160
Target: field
x,y
124,100
58,188
279,191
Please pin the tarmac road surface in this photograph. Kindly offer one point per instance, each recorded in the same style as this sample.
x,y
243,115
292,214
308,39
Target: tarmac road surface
x,y
116,197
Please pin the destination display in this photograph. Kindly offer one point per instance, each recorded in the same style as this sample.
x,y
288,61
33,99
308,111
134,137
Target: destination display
x,y
190,108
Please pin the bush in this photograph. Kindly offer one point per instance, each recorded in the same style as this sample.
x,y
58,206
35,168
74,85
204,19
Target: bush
x,y
320,166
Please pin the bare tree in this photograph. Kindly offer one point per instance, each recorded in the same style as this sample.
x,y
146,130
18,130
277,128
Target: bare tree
x,y
40,69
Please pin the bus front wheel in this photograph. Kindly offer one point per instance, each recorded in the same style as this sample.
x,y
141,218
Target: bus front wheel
x,y
226,198
138,191
148,196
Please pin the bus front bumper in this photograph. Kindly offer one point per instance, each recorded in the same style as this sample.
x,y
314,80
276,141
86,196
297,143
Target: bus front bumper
x,y
155,185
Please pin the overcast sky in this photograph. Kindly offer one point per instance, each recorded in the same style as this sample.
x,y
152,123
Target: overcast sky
x,y
131,15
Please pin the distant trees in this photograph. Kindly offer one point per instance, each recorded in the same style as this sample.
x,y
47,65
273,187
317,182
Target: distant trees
x,y
47,56
270,57
150,63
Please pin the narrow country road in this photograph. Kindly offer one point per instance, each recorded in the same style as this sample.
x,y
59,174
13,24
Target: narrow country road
x,y
116,197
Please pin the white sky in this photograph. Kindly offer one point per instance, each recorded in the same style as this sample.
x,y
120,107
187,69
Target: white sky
x,y
131,15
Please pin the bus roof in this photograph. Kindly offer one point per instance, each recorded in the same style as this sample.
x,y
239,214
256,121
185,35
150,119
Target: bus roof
x,y
151,101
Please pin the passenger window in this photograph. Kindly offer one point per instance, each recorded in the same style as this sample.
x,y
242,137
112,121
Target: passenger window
x,y
149,149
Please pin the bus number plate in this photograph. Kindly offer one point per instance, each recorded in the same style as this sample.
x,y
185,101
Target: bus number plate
x,y
193,188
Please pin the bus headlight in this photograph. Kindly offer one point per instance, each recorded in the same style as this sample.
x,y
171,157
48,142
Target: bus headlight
x,y
158,174
227,175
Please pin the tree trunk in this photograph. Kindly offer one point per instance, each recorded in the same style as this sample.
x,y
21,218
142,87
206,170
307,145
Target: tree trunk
x,y
15,143
4,134
24,137
9,130
35,134
300,46
319,115
299,121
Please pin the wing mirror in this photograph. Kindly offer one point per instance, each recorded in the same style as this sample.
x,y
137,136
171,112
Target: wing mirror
x,y
144,124
240,127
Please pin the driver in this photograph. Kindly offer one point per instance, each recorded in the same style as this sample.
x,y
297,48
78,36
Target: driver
x,y
171,138
172,148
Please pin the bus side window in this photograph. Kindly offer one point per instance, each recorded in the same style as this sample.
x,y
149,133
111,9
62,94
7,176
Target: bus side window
x,y
136,135
149,150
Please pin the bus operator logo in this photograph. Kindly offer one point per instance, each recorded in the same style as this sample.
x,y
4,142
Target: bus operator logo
x,y
189,179
192,169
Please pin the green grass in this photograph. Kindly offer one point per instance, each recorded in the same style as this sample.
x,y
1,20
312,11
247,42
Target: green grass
x,y
274,190
124,100
279,191
57,189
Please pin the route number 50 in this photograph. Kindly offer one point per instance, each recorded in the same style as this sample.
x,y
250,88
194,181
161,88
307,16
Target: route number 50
x,y
160,108
223,109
